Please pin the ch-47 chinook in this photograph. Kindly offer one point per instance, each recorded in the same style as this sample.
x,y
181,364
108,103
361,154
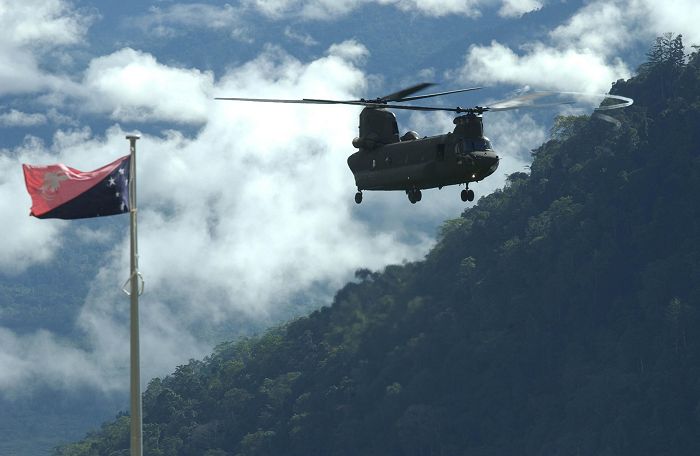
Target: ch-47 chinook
x,y
409,163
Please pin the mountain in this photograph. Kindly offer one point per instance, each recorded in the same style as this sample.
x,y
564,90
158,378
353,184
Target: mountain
x,y
560,315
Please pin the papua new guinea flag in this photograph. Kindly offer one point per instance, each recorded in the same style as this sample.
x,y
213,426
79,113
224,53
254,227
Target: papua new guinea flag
x,y
58,191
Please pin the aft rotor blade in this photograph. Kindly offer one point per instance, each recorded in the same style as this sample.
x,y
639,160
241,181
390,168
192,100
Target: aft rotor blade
x,y
526,101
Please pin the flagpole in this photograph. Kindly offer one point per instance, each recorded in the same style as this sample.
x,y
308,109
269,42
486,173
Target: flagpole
x,y
135,278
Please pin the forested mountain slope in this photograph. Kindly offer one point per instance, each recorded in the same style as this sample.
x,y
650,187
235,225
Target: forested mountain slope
x,y
560,316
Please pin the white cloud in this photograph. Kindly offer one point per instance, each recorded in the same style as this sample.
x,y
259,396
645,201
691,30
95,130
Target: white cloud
x,y
30,29
610,26
27,359
132,85
173,19
27,240
331,9
675,16
300,37
15,118
41,23
439,7
600,27
583,53
542,67
516,8
315,9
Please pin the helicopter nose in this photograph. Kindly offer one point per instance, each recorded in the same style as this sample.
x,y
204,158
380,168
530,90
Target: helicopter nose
x,y
488,162
494,160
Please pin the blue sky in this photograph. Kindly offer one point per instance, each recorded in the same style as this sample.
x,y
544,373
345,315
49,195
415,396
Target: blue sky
x,y
246,208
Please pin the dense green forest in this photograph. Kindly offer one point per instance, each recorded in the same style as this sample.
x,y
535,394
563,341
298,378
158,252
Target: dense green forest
x,y
559,316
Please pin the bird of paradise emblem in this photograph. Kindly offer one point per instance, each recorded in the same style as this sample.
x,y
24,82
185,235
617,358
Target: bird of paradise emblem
x,y
52,182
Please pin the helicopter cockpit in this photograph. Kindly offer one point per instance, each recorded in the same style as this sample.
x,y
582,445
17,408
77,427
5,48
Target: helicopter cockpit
x,y
468,145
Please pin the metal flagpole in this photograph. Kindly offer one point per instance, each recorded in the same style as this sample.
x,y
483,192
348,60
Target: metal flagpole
x,y
135,278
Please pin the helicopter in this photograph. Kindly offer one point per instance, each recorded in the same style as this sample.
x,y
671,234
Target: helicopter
x,y
386,161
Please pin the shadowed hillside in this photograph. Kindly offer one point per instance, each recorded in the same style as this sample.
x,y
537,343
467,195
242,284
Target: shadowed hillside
x,y
559,316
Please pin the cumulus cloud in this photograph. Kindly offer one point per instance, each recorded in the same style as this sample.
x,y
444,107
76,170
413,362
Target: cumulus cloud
x,y
675,16
28,241
543,67
132,85
331,9
15,118
171,20
30,29
300,37
42,23
582,53
516,8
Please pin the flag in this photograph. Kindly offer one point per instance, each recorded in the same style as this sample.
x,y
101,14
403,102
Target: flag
x,y
58,191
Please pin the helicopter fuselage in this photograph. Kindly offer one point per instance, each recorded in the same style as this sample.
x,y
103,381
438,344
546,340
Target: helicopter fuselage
x,y
429,162
386,161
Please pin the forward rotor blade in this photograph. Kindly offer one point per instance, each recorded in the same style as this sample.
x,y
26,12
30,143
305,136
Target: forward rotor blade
x,y
274,100
402,94
399,96
439,94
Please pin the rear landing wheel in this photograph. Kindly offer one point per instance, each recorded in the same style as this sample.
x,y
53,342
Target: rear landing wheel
x,y
358,197
414,195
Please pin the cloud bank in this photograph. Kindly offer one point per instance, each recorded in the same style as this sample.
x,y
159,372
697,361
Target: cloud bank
x,y
254,210
162,20
582,54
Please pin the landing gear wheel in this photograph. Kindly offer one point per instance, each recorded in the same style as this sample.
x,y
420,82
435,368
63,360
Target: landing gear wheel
x,y
358,197
414,195
467,195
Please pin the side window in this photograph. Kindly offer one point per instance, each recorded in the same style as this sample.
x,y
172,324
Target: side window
x,y
460,149
440,155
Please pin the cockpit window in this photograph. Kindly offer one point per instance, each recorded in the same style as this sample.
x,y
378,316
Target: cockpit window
x,y
482,144
468,145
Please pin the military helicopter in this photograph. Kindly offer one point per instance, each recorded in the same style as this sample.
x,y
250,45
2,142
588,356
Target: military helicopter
x,y
409,163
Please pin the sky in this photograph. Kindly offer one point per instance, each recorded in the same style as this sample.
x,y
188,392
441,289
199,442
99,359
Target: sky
x,y
246,212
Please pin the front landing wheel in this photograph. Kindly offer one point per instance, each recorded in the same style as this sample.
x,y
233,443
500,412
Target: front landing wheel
x,y
358,197
467,195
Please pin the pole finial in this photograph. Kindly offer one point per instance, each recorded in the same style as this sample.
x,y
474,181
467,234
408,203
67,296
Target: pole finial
x,y
133,136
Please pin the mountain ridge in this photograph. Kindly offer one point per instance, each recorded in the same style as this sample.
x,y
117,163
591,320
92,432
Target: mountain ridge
x,y
557,316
